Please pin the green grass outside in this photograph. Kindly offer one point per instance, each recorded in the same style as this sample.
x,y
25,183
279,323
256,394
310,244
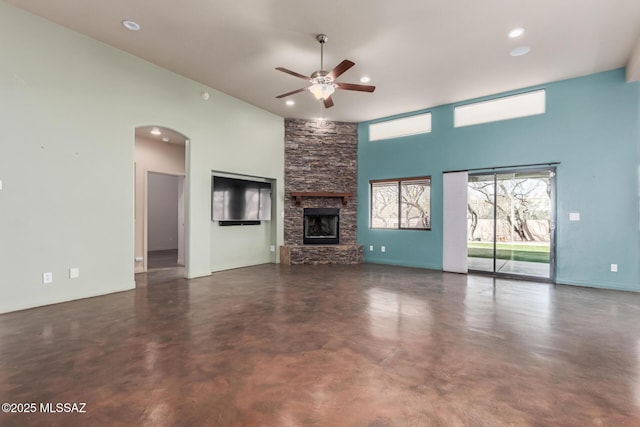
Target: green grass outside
x,y
512,251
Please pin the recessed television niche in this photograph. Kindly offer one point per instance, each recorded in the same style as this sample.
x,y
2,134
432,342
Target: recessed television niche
x,y
238,201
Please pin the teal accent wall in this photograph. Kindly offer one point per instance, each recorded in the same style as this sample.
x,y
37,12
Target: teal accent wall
x,y
591,126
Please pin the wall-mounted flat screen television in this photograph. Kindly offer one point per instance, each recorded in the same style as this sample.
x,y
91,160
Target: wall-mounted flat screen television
x,y
240,200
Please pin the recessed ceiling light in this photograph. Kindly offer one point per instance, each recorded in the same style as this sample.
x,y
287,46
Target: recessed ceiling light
x,y
155,131
290,102
131,25
519,51
516,32
365,79
165,138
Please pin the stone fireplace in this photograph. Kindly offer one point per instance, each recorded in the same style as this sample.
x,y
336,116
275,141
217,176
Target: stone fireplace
x,y
320,187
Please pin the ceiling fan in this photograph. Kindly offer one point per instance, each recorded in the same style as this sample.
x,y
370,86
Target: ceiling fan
x,y
323,83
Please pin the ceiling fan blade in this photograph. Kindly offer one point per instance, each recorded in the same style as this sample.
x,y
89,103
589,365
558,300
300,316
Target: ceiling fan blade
x,y
293,73
351,86
340,68
292,92
328,102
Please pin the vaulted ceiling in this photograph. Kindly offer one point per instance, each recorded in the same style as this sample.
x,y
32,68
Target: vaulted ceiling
x,y
418,53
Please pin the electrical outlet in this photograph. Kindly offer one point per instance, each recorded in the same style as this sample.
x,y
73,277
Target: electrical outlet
x,y
139,259
272,248
47,278
383,248
614,268
74,273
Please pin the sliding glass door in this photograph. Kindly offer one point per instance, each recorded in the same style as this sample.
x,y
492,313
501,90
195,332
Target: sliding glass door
x,y
511,221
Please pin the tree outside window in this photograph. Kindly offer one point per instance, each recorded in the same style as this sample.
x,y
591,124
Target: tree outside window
x,y
401,203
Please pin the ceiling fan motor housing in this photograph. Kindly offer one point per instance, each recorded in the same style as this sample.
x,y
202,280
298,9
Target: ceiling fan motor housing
x,y
321,77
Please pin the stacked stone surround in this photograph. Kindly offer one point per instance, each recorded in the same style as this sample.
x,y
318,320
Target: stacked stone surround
x,y
320,156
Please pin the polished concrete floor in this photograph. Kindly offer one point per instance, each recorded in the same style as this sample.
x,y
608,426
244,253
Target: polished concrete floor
x,y
363,345
162,259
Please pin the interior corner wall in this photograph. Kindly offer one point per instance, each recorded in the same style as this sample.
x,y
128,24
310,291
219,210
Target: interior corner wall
x,y
68,109
591,126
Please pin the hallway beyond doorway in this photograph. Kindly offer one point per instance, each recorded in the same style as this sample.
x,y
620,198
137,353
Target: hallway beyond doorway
x,y
162,259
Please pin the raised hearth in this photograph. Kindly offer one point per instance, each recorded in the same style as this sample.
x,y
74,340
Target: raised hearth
x,y
321,254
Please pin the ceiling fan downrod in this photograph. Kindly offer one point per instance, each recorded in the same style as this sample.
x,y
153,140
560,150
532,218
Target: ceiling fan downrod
x,y
322,39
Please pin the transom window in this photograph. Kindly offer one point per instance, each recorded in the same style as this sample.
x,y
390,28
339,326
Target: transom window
x,y
504,108
396,128
403,203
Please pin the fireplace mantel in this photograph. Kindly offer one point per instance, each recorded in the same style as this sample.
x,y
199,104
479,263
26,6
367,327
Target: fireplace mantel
x,y
300,194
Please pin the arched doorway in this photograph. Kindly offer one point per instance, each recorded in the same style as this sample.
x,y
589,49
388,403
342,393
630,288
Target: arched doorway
x,y
160,170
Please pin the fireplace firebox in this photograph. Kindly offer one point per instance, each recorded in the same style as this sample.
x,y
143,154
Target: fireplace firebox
x,y
321,226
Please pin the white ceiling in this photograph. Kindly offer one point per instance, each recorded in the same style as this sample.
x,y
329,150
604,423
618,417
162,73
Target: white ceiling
x,y
418,53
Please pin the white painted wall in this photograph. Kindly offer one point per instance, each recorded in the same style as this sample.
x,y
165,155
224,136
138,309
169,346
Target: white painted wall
x,y
240,246
181,220
68,109
162,212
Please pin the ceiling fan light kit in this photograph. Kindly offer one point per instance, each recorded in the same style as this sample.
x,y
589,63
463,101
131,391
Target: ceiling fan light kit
x,y
323,83
322,90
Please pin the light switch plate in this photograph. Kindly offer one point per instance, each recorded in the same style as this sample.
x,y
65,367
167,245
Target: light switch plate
x,y
383,248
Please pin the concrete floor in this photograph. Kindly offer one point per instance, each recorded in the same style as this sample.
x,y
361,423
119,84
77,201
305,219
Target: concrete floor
x,y
162,259
364,345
